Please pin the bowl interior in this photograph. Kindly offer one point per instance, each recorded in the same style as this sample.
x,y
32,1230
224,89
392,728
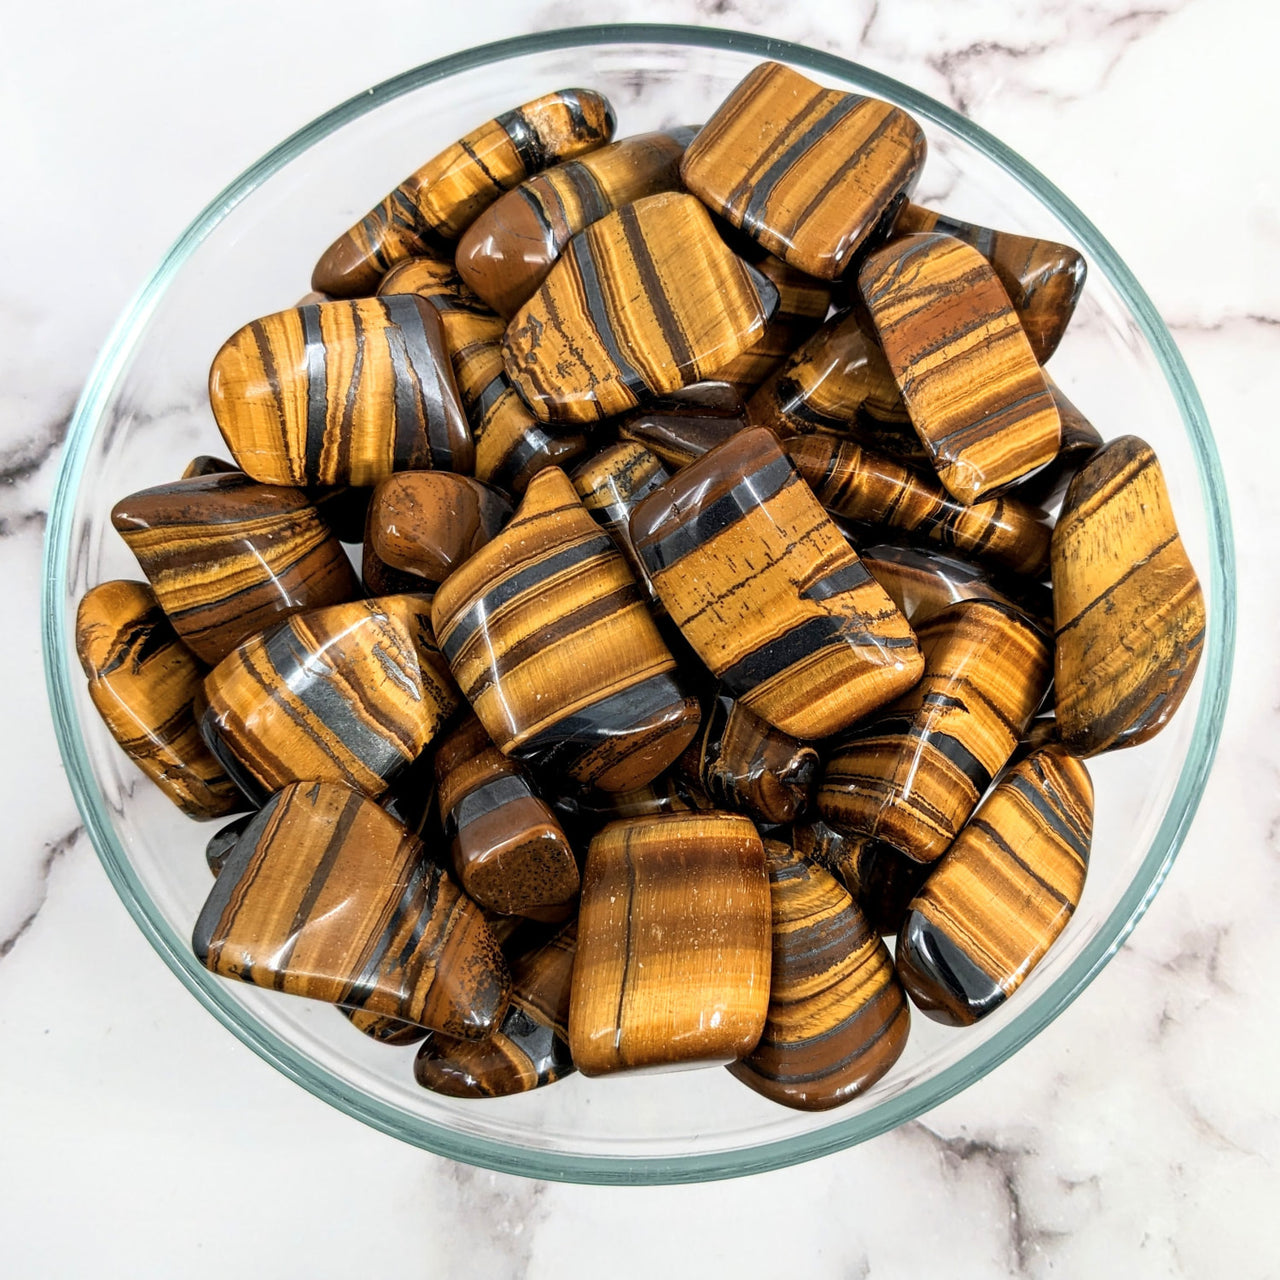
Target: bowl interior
x,y
145,413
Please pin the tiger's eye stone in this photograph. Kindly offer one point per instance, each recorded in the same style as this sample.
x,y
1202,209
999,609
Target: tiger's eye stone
x,y
859,485
837,1019
1002,894
1128,608
223,841
427,523
1080,441
507,251
879,879
340,393
912,775
142,680
744,764
228,558
350,694
327,896
511,445
683,426
971,382
808,172
392,1031
1043,279
641,303
509,852
531,1048
432,207
204,464
768,592
547,634
673,944
584,813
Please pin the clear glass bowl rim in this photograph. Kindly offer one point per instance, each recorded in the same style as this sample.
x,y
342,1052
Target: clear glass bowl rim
x,y
568,1167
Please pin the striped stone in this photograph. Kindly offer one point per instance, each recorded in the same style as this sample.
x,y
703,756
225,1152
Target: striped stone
x,y
1080,441
681,427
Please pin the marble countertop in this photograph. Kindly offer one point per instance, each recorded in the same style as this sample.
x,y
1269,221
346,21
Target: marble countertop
x,y
1138,1136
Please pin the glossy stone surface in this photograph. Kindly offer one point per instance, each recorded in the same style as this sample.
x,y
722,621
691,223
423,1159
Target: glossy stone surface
x,y
223,841
228,558
584,813
1043,279
912,775
547,634
392,1031
1129,613
340,393
142,680
530,1050
856,484
432,207
1003,893
509,852
426,523
768,592
506,253
349,694
746,765
511,445
643,302
678,428
673,944
1080,441
971,382
837,1019
327,896
808,172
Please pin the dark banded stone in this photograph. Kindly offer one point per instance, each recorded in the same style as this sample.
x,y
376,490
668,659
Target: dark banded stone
x,y
506,253
1043,279
1003,893
350,694
913,774
584,813
223,841
228,558
678,428
744,764
1128,609
531,1047
768,592
327,896
856,484
143,680
968,376
837,1019
546,632
643,302
673,944
808,172
431,208
509,852
384,1030
340,393
1080,441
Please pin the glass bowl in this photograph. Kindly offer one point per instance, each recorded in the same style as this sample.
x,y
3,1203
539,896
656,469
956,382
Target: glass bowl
x,y
145,412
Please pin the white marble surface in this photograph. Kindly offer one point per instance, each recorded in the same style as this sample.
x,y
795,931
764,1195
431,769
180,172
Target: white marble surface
x,y
1139,1136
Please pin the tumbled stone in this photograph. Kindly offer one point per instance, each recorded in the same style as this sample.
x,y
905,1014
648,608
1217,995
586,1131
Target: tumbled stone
x,y
340,393
746,765
643,302
547,634
432,207
223,841
530,1049
837,1019
392,1031
1128,608
768,592
507,251
683,426
1080,441
584,813
871,489
426,523
1003,893
228,558
351,694
913,774
511,445
673,944
509,852
1043,279
970,381
808,172
142,680
327,896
